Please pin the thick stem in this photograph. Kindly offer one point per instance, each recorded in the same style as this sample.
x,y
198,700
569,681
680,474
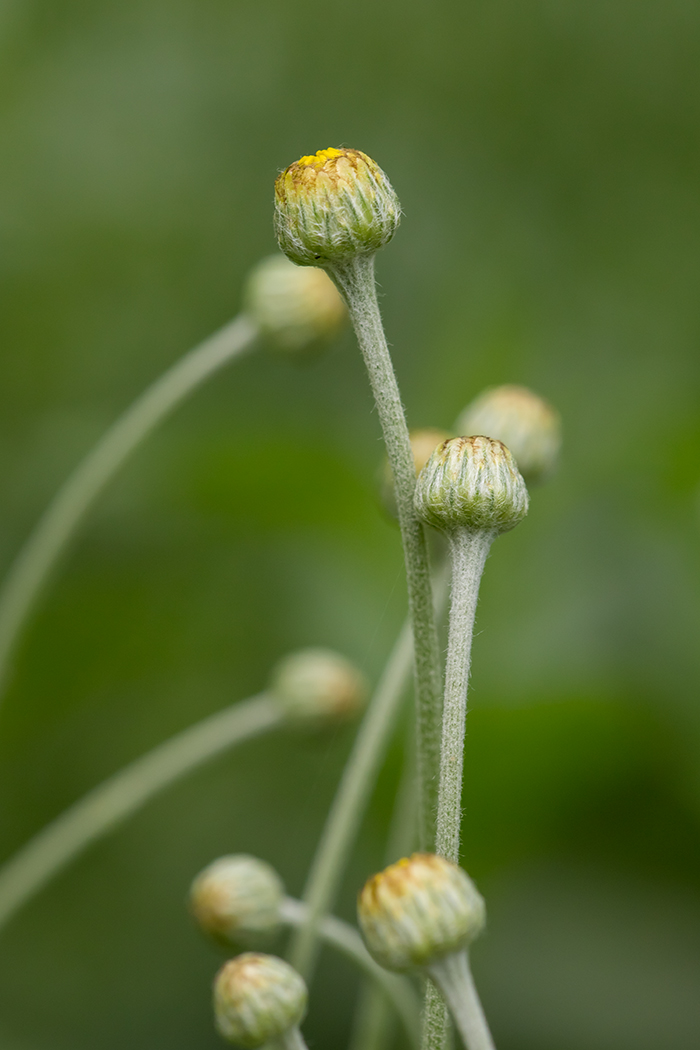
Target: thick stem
x,y
122,795
454,978
291,1040
60,521
468,551
356,282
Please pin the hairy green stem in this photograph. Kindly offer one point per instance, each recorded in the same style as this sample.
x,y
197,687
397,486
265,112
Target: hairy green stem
x,y
453,977
355,280
122,795
60,521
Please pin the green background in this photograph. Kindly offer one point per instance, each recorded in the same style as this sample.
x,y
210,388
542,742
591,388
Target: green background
x,y
546,153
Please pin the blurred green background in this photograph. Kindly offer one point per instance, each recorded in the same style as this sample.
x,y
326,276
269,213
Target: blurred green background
x,y
547,156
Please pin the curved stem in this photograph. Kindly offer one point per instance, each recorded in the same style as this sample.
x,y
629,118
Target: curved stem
x,y
453,977
110,803
55,529
346,939
356,282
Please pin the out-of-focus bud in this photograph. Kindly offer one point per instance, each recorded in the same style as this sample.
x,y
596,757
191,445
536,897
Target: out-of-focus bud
x,y
423,444
318,685
237,899
471,483
523,421
256,998
418,910
297,309
332,206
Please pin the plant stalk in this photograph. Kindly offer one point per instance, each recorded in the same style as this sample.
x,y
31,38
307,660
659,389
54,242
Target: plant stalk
x,y
453,976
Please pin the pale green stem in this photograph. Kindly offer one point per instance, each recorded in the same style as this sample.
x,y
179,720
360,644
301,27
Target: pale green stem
x,y
356,282
453,977
291,1040
60,521
122,795
345,939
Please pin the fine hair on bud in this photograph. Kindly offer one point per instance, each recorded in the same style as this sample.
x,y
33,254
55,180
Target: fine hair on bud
x,y
236,900
471,483
257,998
423,443
418,910
522,420
299,310
334,205
318,686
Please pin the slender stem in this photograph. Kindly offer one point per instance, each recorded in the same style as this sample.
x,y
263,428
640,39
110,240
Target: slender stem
x,y
59,523
468,551
453,977
345,938
122,795
291,1040
356,282
435,1026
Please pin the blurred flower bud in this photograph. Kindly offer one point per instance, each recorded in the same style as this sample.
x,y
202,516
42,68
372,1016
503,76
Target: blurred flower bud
x,y
298,309
332,206
237,899
418,910
256,998
523,421
423,444
471,483
318,685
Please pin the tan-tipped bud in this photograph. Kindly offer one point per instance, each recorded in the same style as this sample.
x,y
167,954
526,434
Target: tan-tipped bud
x,y
298,309
257,998
423,444
332,206
523,421
471,483
418,910
237,899
318,685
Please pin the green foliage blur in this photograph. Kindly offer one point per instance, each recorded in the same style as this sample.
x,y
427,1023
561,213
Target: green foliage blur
x,y
547,157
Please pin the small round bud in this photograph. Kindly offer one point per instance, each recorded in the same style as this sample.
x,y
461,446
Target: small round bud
x,y
256,998
332,206
423,444
298,309
318,685
418,910
523,421
237,899
471,483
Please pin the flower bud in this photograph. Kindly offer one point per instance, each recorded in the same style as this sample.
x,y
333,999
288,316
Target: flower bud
x,y
523,421
298,309
237,899
256,998
332,206
418,910
471,483
423,444
318,685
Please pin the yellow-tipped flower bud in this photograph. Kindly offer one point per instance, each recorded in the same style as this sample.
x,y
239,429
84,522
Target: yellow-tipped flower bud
x,y
318,685
332,206
256,998
523,421
471,483
418,910
297,309
423,444
237,899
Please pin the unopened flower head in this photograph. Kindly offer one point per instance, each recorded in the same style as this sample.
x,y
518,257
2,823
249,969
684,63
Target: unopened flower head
x,y
318,685
237,899
472,483
298,309
332,206
423,444
257,998
418,910
523,421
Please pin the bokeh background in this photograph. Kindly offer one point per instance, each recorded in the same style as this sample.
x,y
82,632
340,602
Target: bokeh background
x,y
547,156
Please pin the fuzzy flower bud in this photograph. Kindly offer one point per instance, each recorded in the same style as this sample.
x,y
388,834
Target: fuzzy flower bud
x,y
318,685
298,309
471,483
237,899
332,206
523,421
418,910
423,444
257,998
